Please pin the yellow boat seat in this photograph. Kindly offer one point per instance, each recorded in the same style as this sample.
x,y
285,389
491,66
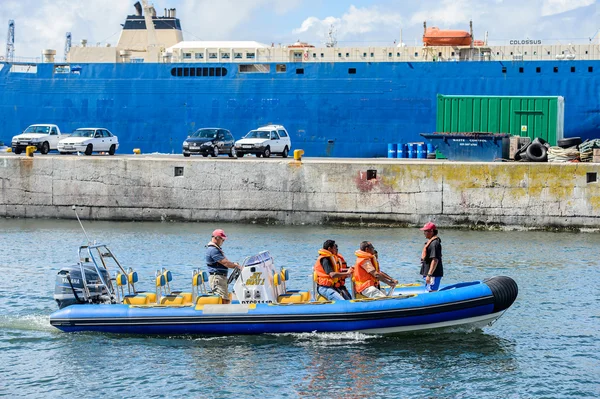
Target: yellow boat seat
x,y
209,300
285,276
290,298
141,298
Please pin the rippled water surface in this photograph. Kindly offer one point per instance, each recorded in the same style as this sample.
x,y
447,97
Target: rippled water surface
x,y
545,346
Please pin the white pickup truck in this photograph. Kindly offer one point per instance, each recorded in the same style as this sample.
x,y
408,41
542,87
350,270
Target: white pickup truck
x,y
44,137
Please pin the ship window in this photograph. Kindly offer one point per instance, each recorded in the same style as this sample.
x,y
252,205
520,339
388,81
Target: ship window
x,y
314,55
21,68
299,71
217,71
521,69
204,71
572,69
390,55
187,56
281,68
186,71
250,56
526,53
397,54
503,69
555,69
254,68
347,55
225,56
440,54
223,71
372,55
548,53
211,71
538,69
511,53
416,54
535,53
352,71
586,51
590,69
322,55
212,56
199,56
237,56
453,54
179,71
562,52
340,55
497,53
192,71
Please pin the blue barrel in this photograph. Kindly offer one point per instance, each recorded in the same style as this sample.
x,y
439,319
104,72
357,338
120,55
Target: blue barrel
x,y
392,148
430,149
421,151
401,150
412,150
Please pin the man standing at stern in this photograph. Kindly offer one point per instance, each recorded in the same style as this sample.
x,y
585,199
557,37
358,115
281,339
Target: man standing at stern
x,y
218,264
432,268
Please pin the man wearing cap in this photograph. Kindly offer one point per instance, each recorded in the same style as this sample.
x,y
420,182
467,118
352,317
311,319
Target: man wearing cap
x,y
432,268
218,264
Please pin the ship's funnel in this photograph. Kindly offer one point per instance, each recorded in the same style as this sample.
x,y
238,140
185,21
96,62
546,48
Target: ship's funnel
x,y
125,56
49,55
138,8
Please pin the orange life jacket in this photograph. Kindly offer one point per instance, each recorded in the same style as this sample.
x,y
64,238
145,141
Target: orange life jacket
x,y
363,279
323,278
343,266
424,253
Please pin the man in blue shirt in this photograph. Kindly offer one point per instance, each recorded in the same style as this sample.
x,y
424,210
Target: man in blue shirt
x,y
218,265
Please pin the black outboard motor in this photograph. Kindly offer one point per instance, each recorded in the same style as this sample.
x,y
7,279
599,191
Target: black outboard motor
x,y
69,288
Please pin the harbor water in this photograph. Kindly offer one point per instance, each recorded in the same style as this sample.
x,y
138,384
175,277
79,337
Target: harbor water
x,y
544,346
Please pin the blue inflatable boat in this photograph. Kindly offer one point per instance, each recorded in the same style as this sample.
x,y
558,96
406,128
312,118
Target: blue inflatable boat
x,y
91,299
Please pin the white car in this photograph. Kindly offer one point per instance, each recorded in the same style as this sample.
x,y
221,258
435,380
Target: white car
x,y
264,141
88,140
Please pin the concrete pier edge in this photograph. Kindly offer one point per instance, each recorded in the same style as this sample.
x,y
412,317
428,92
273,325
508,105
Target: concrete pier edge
x,y
349,192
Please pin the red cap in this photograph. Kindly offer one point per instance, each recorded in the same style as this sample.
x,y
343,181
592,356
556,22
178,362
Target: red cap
x,y
429,226
219,233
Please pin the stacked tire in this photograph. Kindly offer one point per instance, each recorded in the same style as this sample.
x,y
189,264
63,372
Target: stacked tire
x,y
535,151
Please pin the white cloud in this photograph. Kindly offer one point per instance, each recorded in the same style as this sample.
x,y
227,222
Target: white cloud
x,y
218,20
43,24
551,7
352,24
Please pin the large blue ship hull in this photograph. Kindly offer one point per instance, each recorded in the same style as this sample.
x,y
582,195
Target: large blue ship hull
x,y
327,111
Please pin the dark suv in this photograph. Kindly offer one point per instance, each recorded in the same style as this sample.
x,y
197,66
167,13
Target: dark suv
x,y
210,141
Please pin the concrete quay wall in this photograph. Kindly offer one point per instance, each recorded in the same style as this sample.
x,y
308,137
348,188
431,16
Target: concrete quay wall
x,y
332,191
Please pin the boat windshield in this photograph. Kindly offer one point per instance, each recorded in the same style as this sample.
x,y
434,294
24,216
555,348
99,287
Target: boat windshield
x,y
258,134
37,129
83,133
205,133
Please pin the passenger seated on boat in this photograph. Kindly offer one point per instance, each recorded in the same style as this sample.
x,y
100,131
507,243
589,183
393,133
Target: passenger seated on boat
x,y
367,275
329,274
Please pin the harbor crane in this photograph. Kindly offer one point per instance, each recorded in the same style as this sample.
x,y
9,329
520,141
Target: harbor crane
x,y
150,12
67,44
10,42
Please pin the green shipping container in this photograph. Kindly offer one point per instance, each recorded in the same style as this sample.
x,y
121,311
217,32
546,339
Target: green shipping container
x,y
532,117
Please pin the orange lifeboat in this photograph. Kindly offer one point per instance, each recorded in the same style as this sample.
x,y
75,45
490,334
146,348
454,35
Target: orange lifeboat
x,y
437,37
300,44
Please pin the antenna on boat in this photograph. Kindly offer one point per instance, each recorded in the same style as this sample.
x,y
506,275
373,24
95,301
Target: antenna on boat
x,y
332,41
81,224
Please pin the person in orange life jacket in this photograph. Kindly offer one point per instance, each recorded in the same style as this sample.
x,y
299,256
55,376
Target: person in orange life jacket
x,y
432,268
329,275
367,274
343,265
218,265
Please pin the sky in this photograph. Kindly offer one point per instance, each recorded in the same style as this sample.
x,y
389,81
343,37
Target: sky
x,y
42,24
